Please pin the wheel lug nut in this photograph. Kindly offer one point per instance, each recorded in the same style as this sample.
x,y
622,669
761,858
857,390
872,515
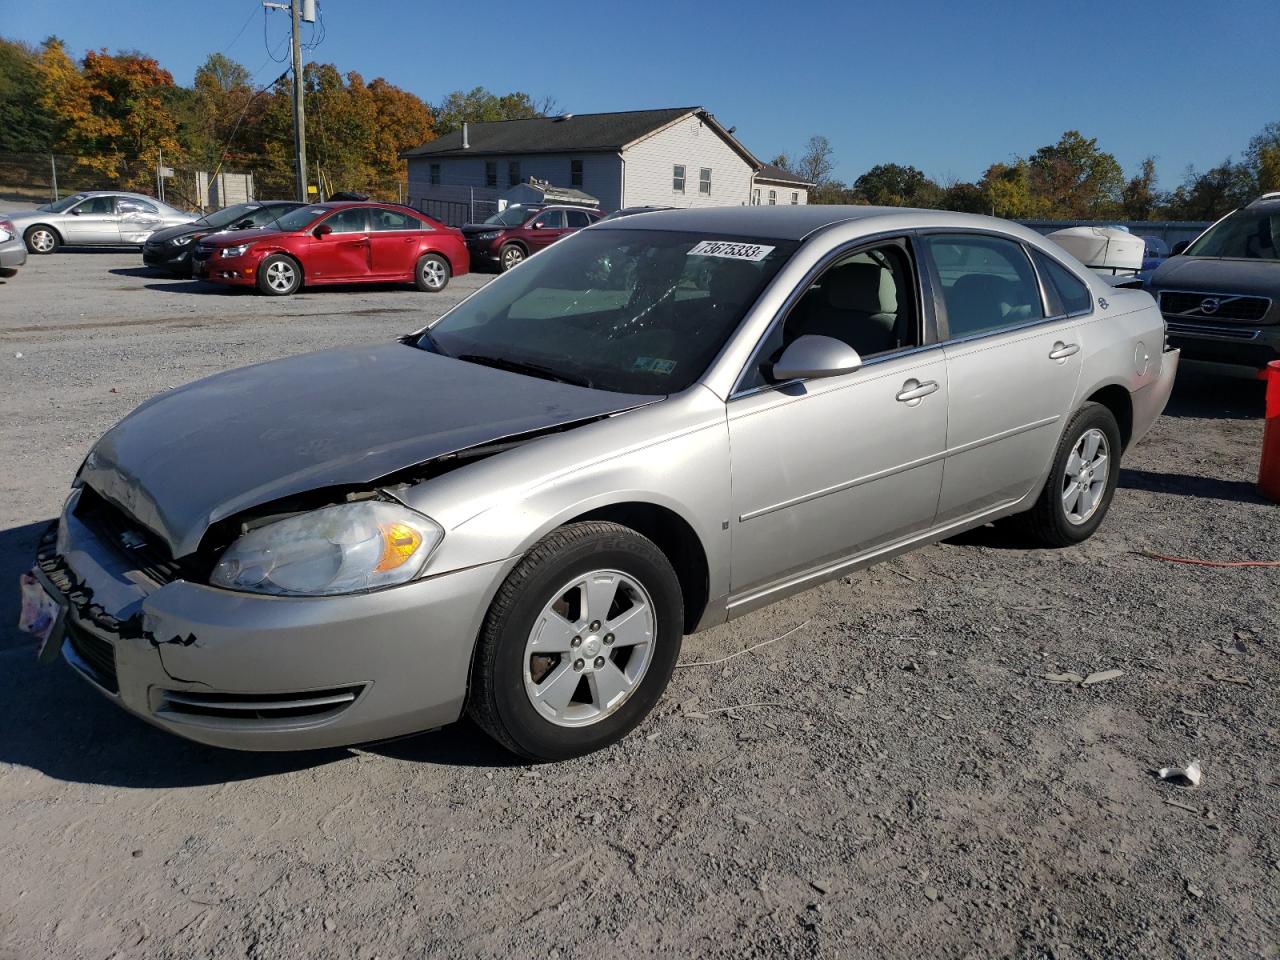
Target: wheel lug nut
x,y
578,664
575,642
608,638
595,625
599,662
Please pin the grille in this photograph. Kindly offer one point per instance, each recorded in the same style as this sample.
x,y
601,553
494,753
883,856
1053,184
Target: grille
x,y
117,530
93,656
1221,333
1242,309
253,708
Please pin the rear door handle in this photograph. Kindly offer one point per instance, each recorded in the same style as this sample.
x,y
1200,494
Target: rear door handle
x,y
1062,350
913,391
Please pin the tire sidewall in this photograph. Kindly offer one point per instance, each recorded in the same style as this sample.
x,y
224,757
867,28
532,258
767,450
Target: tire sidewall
x,y
502,257
1093,416
534,734
420,281
265,287
40,228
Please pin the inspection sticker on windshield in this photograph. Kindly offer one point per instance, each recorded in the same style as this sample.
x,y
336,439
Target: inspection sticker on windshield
x,y
731,251
653,365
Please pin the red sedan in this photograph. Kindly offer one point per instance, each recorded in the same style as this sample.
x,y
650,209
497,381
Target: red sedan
x,y
335,243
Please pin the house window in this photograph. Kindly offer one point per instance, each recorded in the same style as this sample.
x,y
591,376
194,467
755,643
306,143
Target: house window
x,y
513,172
755,197
435,174
704,181
677,178
795,198
773,198
575,173
491,173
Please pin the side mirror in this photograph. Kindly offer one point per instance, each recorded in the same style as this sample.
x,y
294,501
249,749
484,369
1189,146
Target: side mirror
x,y
813,357
322,231
75,211
539,225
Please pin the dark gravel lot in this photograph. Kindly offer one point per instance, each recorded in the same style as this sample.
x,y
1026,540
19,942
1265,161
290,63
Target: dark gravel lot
x,y
896,777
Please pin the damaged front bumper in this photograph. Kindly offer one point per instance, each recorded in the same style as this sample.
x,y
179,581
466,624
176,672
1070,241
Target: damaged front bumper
x,y
257,672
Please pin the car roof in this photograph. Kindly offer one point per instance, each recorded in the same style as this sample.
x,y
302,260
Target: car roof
x,y
798,222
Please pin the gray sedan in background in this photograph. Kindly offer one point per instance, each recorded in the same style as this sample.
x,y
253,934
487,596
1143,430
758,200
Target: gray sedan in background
x,y
656,425
97,218
13,252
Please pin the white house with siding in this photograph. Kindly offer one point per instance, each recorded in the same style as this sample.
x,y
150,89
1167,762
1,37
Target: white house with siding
x,y
775,186
677,157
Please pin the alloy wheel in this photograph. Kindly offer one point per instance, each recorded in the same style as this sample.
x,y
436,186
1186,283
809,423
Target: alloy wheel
x,y
589,648
281,275
1085,478
511,257
42,241
434,274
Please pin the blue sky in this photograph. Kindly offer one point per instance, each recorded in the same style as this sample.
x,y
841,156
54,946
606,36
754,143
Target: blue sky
x,y
947,85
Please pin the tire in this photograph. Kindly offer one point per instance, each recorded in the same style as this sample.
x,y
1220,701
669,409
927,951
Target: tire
x,y
431,273
578,676
41,239
512,255
279,276
1068,512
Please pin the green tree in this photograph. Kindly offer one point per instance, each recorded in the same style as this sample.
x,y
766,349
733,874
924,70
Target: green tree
x,y
964,197
1006,188
479,105
1139,198
1263,156
1073,178
1212,194
24,126
896,185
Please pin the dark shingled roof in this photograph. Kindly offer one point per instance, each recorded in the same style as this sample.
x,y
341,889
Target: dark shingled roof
x,y
776,174
577,133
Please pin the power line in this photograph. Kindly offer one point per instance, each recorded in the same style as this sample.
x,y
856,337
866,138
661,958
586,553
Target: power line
x,y
266,43
246,23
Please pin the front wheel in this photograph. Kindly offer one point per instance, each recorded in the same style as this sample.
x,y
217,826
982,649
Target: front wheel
x,y
42,239
512,255
279,276
579,643
432,273
1081,482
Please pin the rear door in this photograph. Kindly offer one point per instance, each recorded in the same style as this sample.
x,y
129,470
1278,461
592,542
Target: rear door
x,y
395,237
547,227
1013,362
92,221
138,219
343,253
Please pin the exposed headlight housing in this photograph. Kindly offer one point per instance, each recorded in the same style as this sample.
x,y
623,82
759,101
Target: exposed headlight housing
x,y
182,241
234,251
349,548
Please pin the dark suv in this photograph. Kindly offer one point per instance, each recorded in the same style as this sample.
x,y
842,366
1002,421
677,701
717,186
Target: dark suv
x,y
520,231
1220,296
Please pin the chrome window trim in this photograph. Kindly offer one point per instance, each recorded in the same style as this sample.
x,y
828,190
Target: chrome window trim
x,y
1043,292
847,249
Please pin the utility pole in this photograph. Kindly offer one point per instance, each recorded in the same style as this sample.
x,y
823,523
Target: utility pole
x,y
299,10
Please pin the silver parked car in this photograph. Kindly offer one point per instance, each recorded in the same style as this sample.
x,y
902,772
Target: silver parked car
x,y
13,253
655,425
95,218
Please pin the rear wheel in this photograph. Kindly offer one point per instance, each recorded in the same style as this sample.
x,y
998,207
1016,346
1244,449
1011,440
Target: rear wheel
x,y
1082,480
579,643
279,276
512,255
42,239
432,273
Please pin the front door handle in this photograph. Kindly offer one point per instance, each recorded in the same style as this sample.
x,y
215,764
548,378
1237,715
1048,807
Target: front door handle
x,y
1062,350
913,391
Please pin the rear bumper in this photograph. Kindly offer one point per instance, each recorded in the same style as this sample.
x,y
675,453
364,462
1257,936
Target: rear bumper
x,y
13,254
1149,401
269,673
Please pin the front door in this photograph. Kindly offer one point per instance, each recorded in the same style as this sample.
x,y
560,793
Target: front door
x,y
395,238
1012,371
826,470
547,227
344,252
92,221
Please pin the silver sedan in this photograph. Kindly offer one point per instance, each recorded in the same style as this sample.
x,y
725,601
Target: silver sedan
x,y
96,218
654,426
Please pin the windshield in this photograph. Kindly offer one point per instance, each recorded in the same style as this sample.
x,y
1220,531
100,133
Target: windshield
x,y
228,216
299,217
1245,235
632,311
66,203
510,217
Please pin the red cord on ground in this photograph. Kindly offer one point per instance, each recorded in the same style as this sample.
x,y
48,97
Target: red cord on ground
x,y
1211,563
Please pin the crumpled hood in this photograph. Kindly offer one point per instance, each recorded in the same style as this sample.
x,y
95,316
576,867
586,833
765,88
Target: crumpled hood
x,y
347,416
1259,278
181,230
233,238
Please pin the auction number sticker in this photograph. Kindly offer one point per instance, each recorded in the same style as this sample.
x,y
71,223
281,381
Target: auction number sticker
x,y
731,251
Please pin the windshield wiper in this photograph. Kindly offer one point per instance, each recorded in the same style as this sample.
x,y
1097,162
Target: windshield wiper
x,y
520,366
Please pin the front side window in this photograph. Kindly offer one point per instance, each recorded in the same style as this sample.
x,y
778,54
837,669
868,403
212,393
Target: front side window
x,y
773,198
386,220
351,220
550,220
1245,235
97,206
633,311
704,180
63,205
491,173
513,172
987,283
865,299
575,173
1071,290
435,174
677,178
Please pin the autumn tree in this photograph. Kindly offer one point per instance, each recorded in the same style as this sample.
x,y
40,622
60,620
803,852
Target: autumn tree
x,y
1076,179
896,185
1139,197
24,126
480,105
401,121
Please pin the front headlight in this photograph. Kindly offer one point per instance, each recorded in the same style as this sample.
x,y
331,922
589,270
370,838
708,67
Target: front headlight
x,y
234,251
348,548
182,241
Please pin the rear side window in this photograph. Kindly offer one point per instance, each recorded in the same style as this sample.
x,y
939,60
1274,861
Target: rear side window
x,y
1072,293
987,283
133,205
577,219
392,220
